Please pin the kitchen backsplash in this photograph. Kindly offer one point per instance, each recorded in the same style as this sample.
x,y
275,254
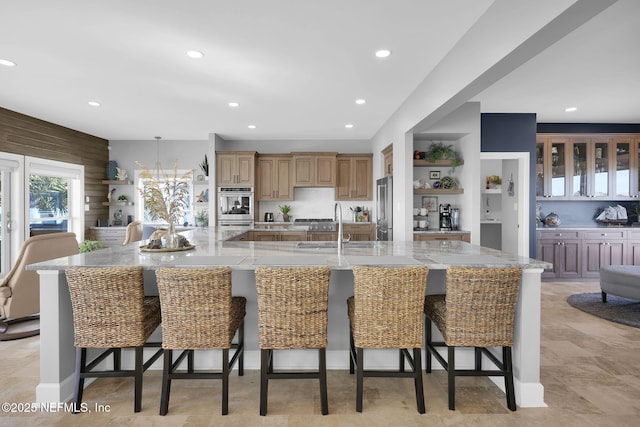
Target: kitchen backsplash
x,y
314,203
580,213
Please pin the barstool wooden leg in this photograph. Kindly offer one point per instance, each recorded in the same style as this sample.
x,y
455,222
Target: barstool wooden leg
x,y
508,378
417,360
166,382
352,353
81,361
117,359
427,339
322,357
190,361
264,381
225,381
451,371
359,378
137,394
478,357
241,345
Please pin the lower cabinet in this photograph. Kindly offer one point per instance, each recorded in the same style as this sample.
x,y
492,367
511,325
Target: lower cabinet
x,y
563,251
278,236
322,236
108,236
426,237
581,253
359,232
601,248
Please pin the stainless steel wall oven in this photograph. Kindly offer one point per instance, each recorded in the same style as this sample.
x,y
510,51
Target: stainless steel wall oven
x,y
235,206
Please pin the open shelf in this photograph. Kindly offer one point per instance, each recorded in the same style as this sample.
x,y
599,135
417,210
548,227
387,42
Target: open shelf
x,y
438,191
435,164
117,182
121,203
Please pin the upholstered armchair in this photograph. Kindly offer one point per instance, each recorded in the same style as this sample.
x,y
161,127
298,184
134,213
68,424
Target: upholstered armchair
x,y
133,233
20,289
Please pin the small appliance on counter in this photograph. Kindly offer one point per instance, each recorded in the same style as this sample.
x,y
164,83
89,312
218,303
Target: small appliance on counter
x,y
445,217
268,217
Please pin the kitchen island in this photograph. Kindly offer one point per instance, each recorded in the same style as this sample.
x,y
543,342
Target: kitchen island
x,y
212,249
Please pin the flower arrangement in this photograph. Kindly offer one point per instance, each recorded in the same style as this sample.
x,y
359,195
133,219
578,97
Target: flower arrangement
x,y
165,199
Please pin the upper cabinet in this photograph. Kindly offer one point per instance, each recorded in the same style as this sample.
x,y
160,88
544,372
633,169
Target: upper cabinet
x,y
581,167
387,154
274,177
314,169
235,168
354,180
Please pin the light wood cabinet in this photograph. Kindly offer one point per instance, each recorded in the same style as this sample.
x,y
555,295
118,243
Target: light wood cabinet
x,y
278,236
359,232
387,164
322,236
426,237
235,168
274,178
314,169
354,180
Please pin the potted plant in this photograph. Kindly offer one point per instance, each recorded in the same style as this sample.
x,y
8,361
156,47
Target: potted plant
x,y
202,218
204,166
89,246
438,151
285,209
122,198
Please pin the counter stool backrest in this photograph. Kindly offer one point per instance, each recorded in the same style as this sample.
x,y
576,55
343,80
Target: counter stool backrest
x,y
109,307
196,308
133,232
389,303
481,306
292,307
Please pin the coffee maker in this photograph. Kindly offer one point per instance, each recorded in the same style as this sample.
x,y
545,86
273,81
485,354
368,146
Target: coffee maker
x,y
445,217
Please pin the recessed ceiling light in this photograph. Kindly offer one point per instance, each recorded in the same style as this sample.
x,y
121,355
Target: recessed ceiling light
x,y
94,103
570,109
348,126
383,53
195,54
361,101
251,126
7,63
234,104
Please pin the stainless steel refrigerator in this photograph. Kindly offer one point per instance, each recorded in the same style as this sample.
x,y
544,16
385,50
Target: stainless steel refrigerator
x,y
384,211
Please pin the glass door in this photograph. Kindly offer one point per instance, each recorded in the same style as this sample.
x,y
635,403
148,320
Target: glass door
x,y
5,221
48,204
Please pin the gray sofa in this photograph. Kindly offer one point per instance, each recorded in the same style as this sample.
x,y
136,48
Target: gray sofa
x,y
621,280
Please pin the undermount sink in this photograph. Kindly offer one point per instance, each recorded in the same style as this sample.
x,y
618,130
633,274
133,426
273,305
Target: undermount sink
x,y
320,245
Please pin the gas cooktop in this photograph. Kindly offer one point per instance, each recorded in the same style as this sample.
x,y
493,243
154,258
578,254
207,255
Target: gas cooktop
x,y
317,224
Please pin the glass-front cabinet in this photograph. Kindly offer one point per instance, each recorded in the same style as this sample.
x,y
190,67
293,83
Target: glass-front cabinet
x,y
590,169
626,161
551,168
580,167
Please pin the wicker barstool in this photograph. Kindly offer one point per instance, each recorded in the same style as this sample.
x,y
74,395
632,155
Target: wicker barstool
x,y
292,314
478,311
198,312
386,312
110,311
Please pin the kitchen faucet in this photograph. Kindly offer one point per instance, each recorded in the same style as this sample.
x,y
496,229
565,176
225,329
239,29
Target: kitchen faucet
x,y
338,217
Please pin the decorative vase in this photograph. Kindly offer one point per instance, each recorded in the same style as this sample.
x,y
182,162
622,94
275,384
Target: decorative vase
x,y
170,240
285,217
112,170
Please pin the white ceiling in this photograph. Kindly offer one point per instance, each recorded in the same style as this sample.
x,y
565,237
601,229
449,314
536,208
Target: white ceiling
x,y
295,67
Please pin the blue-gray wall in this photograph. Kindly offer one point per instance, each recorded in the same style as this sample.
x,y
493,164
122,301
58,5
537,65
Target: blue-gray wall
x,y
513,133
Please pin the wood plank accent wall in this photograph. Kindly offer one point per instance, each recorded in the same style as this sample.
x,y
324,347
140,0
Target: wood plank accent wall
x,y
28,136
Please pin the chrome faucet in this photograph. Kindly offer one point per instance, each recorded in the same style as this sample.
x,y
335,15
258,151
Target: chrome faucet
x,y
338,217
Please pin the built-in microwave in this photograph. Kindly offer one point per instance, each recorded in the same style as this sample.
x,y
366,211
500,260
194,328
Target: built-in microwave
x,y
235,206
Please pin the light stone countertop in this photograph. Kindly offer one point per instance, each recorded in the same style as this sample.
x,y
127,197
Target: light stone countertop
x,y
211,248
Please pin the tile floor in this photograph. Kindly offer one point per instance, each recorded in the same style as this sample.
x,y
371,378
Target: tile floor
x,y
589,368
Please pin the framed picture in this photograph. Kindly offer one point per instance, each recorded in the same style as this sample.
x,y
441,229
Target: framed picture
x,y
430,202
434,175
